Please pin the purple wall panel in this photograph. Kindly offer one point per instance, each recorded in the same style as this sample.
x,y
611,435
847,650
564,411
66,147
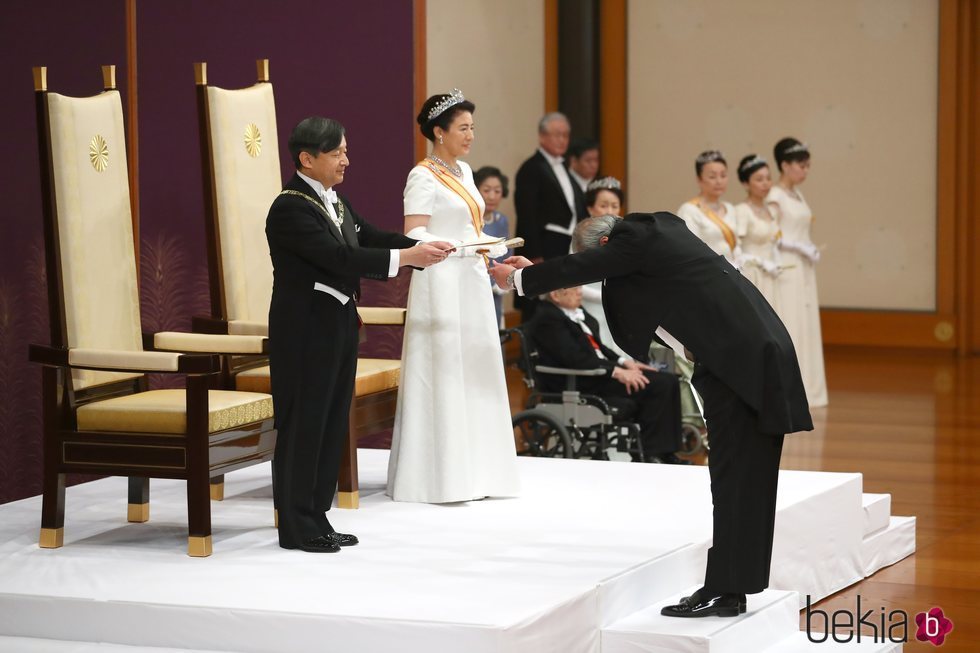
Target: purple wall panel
x,y
73,40
350,61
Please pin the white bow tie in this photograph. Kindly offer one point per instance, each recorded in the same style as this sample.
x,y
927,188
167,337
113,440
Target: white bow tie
x,y
330,196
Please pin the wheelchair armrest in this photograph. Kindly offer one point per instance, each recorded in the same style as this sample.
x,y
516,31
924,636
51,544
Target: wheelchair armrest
x,y
564,371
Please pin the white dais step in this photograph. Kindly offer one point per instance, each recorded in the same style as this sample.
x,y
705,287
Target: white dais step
x,y
888,546
877,511
799,643
34,645
771,616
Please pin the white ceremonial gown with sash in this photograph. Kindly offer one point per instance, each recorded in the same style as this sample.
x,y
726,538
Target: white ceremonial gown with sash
x,y
452,439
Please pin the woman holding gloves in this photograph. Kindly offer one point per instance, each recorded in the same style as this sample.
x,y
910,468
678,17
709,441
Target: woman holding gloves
x,y
797,303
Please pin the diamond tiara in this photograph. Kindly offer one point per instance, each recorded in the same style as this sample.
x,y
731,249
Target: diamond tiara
x,y
451,100
606,183
709,156
799,147
753,162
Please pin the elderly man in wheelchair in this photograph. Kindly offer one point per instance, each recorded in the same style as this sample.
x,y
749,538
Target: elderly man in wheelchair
x,y
571,359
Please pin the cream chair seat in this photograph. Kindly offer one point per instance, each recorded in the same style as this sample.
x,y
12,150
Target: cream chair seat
x,y
165,411
373,375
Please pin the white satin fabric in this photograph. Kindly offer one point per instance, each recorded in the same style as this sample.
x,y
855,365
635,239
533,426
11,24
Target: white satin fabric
x,y
452,439
796,301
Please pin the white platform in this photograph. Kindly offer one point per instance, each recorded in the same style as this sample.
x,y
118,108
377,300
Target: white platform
x,y
587,545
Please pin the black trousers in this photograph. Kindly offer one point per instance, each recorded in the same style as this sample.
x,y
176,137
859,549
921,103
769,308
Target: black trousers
x,y
313,423
656,408
744,468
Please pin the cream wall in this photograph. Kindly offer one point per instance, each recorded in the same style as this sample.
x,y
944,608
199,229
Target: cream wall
x,y
493,52
855,79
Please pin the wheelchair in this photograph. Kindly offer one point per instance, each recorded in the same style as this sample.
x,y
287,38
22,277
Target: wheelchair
x,y
694,433
569,424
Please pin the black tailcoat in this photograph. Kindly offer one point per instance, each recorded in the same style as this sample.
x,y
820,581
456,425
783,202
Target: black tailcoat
x,y
659,274
313,347
538,201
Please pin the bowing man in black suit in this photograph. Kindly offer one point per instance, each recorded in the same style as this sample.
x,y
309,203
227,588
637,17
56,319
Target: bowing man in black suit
x,y
566,336
546,199
661,279
320,248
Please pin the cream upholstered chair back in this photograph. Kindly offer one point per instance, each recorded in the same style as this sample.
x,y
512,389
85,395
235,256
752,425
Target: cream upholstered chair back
x,y
94,228
246,177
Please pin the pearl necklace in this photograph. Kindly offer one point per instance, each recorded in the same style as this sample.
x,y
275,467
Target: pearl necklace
x,y
457,169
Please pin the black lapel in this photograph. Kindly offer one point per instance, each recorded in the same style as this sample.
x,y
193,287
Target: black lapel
x,y
348,228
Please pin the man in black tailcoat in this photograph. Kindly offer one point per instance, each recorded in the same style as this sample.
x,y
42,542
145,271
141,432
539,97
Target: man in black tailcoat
x,y
320,248
547,200
662,281
564,335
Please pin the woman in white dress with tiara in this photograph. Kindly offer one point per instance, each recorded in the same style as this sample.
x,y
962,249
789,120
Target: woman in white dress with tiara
x,y
453,439
758,228
797,303
711,219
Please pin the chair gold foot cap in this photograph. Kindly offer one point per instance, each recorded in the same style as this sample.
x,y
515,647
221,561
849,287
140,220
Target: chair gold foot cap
x,y
349,500
52,538
218,491
199,547
138,513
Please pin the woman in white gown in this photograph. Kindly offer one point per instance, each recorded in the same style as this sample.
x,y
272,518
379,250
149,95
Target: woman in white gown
x,y
758,228
602,197
797,303
711,219
452,439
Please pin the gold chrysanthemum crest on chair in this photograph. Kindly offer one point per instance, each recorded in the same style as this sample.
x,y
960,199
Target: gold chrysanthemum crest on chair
x,y
99,416
242,176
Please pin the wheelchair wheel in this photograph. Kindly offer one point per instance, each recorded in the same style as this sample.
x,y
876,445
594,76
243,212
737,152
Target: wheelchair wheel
x,y
691,440
542,435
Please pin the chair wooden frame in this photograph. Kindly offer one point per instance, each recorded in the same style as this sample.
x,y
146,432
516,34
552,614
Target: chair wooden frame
x,y
369,413
194,456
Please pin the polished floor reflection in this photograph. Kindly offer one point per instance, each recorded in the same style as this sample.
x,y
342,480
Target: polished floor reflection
x,y
910,422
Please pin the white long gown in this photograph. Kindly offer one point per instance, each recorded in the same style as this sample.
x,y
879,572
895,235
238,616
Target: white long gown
x,y
758,235
452,439
796,302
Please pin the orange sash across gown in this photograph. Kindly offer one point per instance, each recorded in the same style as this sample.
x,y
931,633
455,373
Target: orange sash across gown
x,y
448,180
726,231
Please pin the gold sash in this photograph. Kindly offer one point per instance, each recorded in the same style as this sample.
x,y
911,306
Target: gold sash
x,y
726,231
448,180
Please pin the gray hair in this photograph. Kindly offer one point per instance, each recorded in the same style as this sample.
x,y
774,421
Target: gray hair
x,y
590,231
549,117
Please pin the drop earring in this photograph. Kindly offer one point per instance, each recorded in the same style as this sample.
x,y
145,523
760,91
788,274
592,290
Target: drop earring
x,y
440,139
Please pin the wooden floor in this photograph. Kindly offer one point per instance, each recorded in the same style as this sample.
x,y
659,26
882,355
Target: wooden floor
x,y
910,422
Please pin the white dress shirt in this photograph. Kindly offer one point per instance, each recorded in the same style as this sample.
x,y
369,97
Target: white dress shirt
x,y
581,181
329,198
557,164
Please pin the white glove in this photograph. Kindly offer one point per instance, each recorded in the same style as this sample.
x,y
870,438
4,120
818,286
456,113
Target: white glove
x,y
424,235
770,268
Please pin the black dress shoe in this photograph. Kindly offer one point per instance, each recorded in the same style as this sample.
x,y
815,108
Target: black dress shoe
x,y
742,602
698,605
318,544
343,539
